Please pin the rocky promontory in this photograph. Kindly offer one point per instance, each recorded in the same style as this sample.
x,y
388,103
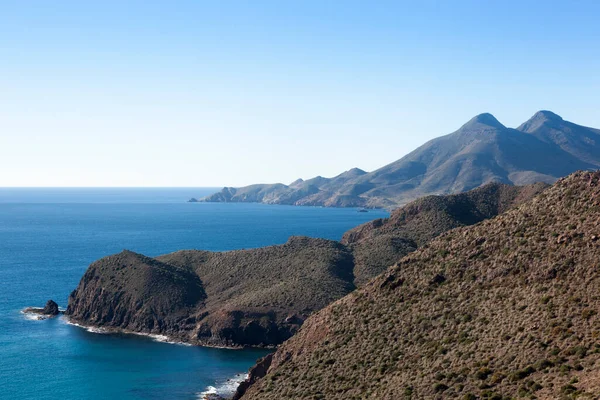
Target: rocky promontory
x,y
261,297
239,298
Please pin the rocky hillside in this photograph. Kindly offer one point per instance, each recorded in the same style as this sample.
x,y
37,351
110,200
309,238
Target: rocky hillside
x,y
483,150
262,296
504,309
247,297
136,292
380,243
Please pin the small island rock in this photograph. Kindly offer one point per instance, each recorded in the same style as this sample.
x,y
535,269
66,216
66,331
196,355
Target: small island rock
x,y
51,308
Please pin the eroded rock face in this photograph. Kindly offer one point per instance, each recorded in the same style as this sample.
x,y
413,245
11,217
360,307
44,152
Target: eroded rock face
x,y
256,372
134,292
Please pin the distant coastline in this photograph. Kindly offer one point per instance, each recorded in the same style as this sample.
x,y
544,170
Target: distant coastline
x,y
542,149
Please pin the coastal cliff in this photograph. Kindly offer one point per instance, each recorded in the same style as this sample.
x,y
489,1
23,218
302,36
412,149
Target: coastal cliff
x,y
137,293
261,297
240,298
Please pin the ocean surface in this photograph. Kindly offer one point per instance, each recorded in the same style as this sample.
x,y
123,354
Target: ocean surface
x,y
48,237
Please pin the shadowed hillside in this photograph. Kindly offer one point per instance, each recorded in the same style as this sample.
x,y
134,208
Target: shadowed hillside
x,y
483,150
504,309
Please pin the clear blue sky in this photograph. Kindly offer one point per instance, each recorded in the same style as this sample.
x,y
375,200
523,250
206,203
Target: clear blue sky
x,y
214,93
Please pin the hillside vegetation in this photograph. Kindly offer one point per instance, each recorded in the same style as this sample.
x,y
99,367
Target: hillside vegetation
x,y
256,297
380,243
261,297
507,308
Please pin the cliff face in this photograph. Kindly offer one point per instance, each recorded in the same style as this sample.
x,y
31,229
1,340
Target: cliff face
x,y
138,293
261,297
504,309
483,150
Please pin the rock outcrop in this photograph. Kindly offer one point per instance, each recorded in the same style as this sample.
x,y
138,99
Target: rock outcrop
x,y
50,310
256,372
138,293
507,308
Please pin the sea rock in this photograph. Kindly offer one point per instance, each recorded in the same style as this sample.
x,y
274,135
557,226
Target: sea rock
x,y
50,310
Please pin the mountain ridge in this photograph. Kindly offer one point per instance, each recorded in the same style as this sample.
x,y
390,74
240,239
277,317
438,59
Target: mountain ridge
x,y
507,308
481,151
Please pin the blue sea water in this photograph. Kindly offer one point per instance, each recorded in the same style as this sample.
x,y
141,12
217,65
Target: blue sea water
x,y
48,237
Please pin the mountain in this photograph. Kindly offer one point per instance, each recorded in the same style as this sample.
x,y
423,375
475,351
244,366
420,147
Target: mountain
x,y
579,141
260,297
483,150
507,308
315,191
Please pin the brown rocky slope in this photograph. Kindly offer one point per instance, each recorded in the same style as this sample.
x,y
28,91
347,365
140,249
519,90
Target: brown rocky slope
x,y
380,243
260,297
504,309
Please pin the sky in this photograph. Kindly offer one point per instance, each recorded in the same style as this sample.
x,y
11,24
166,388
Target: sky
x,y
229,93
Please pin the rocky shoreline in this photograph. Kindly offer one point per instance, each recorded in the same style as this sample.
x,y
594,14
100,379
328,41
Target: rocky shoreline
x,y
178,340
261,297
50,310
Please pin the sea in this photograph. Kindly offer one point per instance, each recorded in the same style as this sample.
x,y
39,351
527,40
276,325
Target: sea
x,y
48,237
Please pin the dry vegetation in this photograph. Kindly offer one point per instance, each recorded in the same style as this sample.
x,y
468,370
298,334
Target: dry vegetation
x,y
378,244
504,309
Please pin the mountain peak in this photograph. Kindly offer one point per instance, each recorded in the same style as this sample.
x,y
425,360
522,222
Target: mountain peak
x,y
539,119
548,115
297,182
354,172
485,119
